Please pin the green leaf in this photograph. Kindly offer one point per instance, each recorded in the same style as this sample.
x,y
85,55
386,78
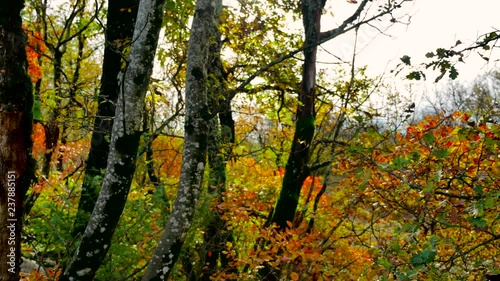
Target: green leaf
x,y
429,187
385,262
490,201
425,257
37,113
399,163
414,156
441,153
478,189
453,73
433,240
358,118
415,75
429,55
478,221
484,57
402,276
441,53
406,60
429,138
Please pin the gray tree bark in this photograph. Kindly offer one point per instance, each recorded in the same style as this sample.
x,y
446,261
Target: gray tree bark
x,y
125,138
196,124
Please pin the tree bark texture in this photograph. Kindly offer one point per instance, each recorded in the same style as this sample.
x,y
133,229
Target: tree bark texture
x,y
119,31
296,169
194,155
125,138
16,163
220,136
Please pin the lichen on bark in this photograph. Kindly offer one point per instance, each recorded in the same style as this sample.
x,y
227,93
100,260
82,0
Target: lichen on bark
x,y
195,142
124,145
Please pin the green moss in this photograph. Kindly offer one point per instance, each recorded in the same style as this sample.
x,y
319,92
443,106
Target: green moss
x,y
305,128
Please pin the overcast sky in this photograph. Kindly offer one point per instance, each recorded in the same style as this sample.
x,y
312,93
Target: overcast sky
x,y
433,24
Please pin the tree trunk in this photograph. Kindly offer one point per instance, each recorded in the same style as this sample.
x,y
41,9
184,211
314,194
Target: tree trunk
x,y
52,125
125,138
119,31
296,170
16,164
219,138
195,142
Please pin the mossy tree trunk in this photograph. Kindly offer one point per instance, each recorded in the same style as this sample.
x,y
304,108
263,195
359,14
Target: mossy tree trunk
x,y
16,163
124,145
296,169
220,137
196,126
119,30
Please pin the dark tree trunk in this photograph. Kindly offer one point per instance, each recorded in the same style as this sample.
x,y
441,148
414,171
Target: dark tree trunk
x,y
126,133
16,164
119,31
296,169
195,142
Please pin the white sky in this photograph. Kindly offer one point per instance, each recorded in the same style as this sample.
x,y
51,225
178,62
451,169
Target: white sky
x,y
434,24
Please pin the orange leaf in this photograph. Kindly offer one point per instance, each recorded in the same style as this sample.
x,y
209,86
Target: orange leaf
x,y
294,276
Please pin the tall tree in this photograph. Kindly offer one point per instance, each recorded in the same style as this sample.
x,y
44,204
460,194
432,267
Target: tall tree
x,y
16,164
296,170
119,30
125,138
196,126
220,137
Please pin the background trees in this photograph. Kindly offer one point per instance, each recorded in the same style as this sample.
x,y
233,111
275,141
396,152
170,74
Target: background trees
x,y
308,178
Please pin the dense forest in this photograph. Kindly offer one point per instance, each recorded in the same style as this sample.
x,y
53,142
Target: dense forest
x,y
209,140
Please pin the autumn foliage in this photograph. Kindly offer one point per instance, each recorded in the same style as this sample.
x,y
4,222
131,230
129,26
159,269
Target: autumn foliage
x,y
414,205
34,50
418,204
